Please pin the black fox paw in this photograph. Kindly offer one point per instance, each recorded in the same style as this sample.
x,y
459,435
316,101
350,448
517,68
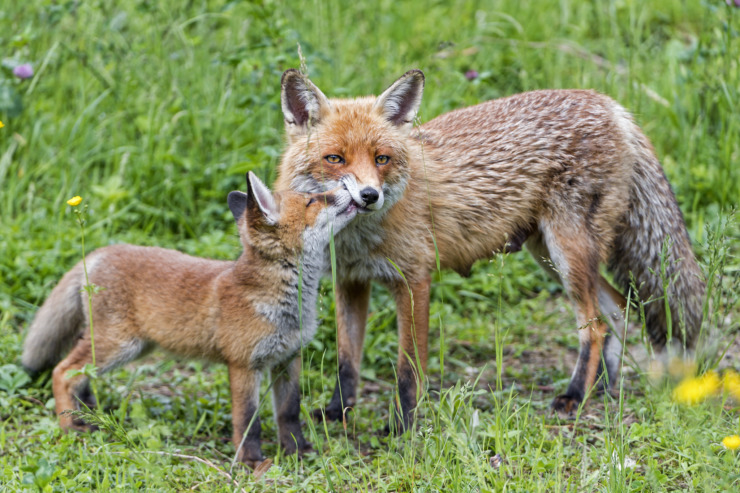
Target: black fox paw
x,y
565,406
330,413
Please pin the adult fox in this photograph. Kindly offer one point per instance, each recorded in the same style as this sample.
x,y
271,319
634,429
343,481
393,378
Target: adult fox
x,y
243,313
565,172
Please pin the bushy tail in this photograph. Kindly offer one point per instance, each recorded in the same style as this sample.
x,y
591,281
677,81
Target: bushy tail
x,y
57,323
654,248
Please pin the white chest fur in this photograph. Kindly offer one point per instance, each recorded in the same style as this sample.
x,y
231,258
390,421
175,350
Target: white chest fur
x,y
292,316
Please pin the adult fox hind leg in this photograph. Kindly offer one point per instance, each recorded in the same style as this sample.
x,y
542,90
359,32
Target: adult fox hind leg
x,y
352,300
612,305
575,257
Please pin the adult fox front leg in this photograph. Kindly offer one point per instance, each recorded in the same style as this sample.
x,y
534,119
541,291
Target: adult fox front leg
x,y
565,172
352,299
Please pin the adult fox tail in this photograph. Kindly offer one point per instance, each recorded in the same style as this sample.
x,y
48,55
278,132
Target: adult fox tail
x,y
654,247
57,323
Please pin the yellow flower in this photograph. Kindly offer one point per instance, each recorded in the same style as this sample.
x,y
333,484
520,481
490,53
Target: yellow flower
x,y
731,384
75,200
693,390
731,442
1,125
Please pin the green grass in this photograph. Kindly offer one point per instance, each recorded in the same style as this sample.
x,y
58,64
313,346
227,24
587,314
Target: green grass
x,y
153,112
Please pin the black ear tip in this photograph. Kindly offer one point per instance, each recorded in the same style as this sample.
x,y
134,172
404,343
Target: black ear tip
x,y
288,74
416,73
237,203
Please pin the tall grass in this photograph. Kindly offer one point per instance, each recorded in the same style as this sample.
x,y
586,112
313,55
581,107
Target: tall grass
x,y
153,111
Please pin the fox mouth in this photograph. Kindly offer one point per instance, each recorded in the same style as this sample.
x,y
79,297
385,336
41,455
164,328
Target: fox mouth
x,y
351,207
360,209
355,208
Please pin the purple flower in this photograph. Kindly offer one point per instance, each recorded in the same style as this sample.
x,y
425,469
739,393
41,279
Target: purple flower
x,y
736,3
473,74
24,71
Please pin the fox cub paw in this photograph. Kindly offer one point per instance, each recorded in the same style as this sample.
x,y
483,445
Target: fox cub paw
x,y
306,448
330,413
302,447
252,460
76,424
565,406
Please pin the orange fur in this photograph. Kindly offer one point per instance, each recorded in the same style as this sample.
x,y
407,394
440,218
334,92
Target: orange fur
x,y
566,171
242,313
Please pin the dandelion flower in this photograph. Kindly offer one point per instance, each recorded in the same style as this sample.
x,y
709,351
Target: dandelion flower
x,y
693,390
731,384
74,200
731,442
1,125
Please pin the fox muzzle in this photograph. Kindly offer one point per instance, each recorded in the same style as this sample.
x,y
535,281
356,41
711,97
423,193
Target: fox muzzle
x,y
367,196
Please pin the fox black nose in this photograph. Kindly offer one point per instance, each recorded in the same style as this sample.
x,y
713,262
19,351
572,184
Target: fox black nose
x,y
369,195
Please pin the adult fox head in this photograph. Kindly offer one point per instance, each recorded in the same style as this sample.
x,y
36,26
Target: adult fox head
x,y
360,143
280,225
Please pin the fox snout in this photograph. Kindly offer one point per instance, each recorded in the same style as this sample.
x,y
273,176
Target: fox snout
x,y
365,196
369,195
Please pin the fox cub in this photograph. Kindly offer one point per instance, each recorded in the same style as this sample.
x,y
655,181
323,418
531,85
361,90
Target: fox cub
x,y
243,313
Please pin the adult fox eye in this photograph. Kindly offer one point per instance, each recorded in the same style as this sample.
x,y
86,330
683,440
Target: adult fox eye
x,y
381,160
334,159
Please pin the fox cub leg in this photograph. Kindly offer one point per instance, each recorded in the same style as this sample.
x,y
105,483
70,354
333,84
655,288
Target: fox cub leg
x,y
245,386
69,391
286,400
574,256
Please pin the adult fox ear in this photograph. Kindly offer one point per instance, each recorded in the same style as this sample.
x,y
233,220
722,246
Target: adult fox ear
x,y
303,103
259,198
400,102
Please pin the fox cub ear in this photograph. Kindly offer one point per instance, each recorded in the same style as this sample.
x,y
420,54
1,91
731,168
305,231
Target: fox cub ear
x,y
400,102
237,203
260,197
303,103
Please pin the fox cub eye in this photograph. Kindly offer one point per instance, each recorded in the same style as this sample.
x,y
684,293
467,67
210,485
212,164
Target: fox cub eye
x,y
311,201
334,159
381,160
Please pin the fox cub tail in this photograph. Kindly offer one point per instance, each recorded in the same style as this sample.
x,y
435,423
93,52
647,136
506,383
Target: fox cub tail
x,y
57,323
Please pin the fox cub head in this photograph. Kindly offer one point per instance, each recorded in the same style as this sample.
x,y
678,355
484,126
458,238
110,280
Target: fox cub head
x,y
361,143
280,225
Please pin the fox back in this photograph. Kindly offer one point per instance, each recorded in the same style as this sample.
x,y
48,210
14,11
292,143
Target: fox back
x,y
485,179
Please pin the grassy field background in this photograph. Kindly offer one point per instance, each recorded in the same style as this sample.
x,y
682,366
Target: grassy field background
x,y
153,112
